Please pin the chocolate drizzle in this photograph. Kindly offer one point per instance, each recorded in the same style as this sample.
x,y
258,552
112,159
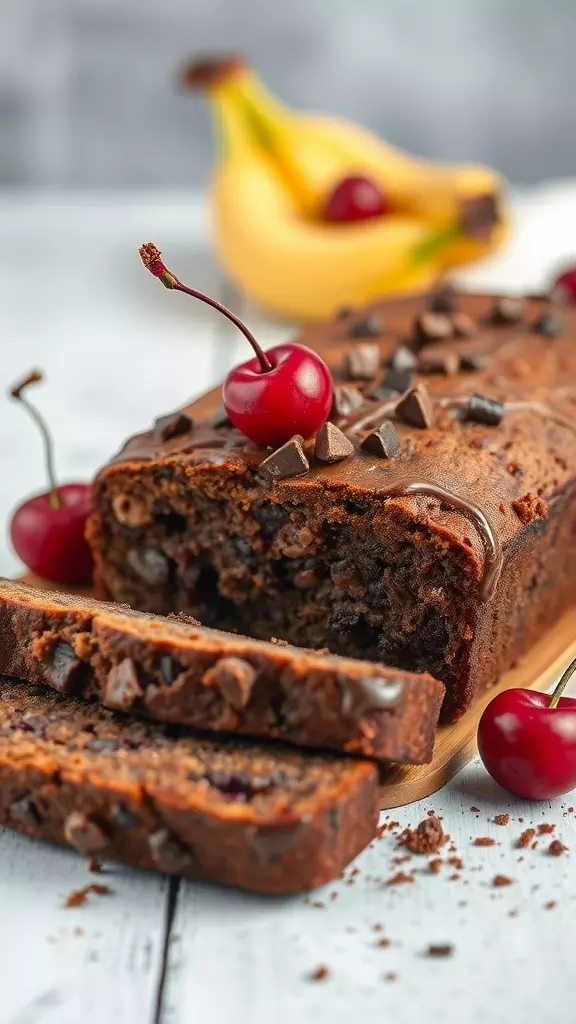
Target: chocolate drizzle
x,y
492,547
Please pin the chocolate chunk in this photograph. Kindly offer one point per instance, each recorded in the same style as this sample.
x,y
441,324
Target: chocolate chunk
x,y
234,677
172,425
370,693
271,517
24,811
431,327
289,460
484,410
346,399
438,362
472,361
463,325
370,326
63,668
507,311
150,564
383,441
403,359
416,408
170,669
548,323
332,445
123,817
396,381
122,687
220,418
84,834
363,362
168,853
479,215
443,299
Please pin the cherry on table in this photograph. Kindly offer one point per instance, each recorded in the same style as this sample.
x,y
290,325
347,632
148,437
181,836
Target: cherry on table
x,y
355,198
565,285
47,530
527,741
284,391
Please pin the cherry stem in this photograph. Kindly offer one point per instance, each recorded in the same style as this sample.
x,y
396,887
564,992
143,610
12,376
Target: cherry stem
x,y
150,256
562,684
34,377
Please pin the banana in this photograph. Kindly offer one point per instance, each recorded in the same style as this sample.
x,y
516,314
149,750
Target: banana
x,y
276,170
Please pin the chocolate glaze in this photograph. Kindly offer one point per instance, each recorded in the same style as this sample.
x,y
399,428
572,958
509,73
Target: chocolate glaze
x,y
476,471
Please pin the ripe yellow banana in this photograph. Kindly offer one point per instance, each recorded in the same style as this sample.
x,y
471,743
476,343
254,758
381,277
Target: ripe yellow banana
x,y
275,170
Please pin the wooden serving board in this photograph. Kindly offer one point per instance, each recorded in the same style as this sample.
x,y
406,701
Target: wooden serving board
x,y
456,744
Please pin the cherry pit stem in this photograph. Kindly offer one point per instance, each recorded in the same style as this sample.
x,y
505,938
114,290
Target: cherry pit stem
x,y
562,684
150,256
34,377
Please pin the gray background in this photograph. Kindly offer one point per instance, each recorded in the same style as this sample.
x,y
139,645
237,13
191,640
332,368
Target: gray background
x,y
87,94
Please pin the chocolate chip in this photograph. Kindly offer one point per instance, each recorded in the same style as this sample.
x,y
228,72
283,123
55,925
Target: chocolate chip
x,y
479,215
170,669
220,418
172,425
63,669
271,517
507,311
395,381
370,326
24,811
306,579
289,460
472,361
168,853
402,359
431,327
416,408
122,687
363,362
549,324
383,441
484,410
463,325
331,444
234,677
443,299
150,564
438,362
123,817
346,399
84,834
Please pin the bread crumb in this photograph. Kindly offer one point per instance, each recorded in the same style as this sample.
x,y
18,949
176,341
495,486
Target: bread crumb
x,y
320,973
545,828
434,865
556,848
400,878
383,943
79,896
475,810
95,866
499,880
526,837
428,837
530,507
501,819
391,976
550,905
484,841
440,950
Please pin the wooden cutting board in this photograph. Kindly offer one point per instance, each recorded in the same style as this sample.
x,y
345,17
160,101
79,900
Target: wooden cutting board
x,y
456,744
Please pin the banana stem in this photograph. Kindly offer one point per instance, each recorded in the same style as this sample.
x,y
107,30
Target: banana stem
x,y
437,240
150,256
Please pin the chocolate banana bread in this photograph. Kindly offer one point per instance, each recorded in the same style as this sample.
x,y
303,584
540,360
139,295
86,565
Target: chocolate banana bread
x,y
266,818
178,671
430,525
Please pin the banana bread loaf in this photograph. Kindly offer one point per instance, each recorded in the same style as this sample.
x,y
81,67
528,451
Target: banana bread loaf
x,y
269,819
431,524
178,671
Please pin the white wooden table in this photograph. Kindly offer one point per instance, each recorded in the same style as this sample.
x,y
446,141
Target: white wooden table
x,y
117,350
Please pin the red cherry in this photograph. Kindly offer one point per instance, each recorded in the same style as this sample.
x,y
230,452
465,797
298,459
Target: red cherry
x,y
276,394
293,397
355,198
51,541
527,741
565,284
47,531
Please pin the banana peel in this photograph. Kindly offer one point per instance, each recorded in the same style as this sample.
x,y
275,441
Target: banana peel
x,y
275,171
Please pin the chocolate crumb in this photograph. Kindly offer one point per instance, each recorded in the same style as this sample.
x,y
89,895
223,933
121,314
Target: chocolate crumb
x,y
383,943
94,866
484,841
456,862
320,973
400,878
434,865
79,896
550,905
427,838
501,819
440,950
173,425
475,810
500,880
556,848
526,837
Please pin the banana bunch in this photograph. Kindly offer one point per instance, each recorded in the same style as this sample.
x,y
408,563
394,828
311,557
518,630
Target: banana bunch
x,y
270,187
